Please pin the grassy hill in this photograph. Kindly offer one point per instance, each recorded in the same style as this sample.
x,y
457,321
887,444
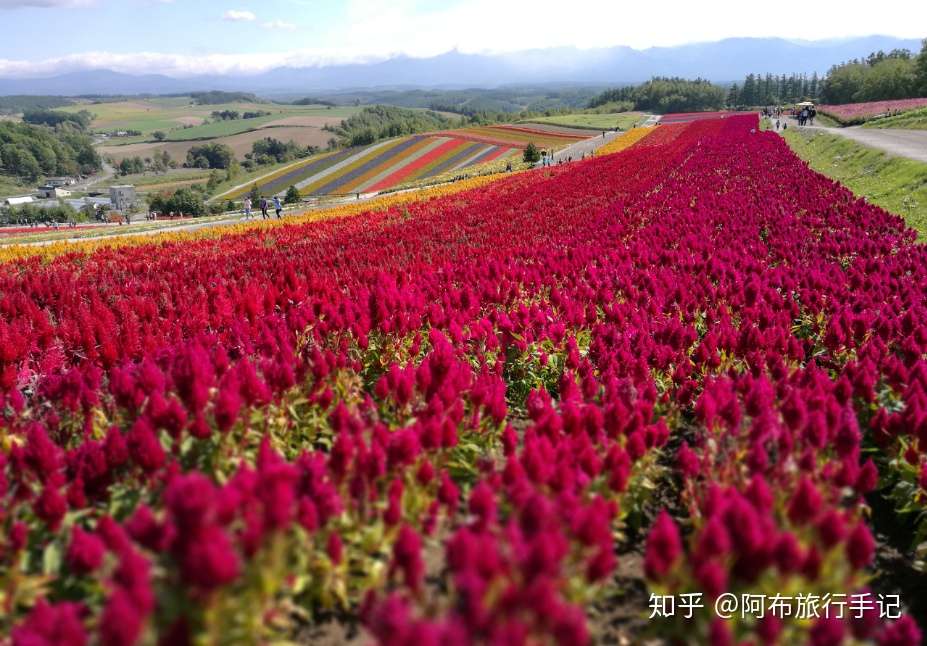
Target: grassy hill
x,y
896,184
607,121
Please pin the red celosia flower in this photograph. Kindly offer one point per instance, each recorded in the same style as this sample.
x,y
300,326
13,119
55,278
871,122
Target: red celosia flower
x,y
663,547
51,625
860,546
85,552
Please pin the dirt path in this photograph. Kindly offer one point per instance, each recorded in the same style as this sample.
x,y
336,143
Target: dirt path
x,y
901,143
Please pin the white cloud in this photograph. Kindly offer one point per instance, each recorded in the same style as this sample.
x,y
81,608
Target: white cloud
x,y
376,29
236,15
388,25
46,4
282,25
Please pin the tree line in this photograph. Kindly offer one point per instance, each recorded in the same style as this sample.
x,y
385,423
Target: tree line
x,y
665,94
28,151
377,122
770,89
53,118
234,115
881,76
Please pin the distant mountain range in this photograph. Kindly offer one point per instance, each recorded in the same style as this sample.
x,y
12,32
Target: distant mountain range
x,y
721,61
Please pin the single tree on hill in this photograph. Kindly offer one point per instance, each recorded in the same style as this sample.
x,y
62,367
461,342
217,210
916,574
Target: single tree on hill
x,y
159,135
532,155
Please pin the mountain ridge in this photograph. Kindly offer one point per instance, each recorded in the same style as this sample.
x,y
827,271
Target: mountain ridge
x,y
721,61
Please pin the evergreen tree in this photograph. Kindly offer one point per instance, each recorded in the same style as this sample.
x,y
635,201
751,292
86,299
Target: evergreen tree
x,y
531,155
748,94
733,96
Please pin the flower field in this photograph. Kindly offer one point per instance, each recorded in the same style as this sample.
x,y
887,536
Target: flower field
x,y
492,415
626,140
685,117
856,113
380,166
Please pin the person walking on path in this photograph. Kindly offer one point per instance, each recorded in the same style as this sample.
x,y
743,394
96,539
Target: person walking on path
x,y
247,208
278,207
264,215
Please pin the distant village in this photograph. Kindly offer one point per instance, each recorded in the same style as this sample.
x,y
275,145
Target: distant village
x,y
115,201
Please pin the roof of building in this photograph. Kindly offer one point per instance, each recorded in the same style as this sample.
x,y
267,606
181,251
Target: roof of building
x,y
26,199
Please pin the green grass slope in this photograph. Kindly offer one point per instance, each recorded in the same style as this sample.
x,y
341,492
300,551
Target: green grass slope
x,y
913,120
606,121
896,184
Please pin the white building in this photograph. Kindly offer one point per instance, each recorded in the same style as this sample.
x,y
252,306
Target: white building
x,y
18,201
58,182
53,192
123,198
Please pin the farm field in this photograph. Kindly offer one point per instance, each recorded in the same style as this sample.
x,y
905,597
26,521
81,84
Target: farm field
x,y
685,117
378,167
240,143
530,411
856,113
607,121
171,114
147,182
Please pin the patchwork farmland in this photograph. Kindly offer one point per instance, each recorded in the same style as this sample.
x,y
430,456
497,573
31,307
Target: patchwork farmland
x,y
387,164
380,166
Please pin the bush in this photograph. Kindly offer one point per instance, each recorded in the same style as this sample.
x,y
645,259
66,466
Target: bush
x,y
184,201
210,156
292,195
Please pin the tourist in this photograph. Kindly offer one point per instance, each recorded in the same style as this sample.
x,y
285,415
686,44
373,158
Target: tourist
x,y
278,207
247,207
264,215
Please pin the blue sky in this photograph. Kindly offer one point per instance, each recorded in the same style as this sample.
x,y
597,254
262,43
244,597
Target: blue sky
x,y
184,37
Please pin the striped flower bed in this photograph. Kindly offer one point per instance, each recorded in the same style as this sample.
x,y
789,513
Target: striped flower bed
x,y
386,165
380,166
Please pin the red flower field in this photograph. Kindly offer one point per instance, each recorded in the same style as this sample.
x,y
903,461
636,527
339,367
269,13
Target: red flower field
x,y
499,416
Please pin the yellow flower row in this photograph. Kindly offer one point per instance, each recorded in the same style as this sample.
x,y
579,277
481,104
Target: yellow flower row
x,y
240,191
626,140
17,252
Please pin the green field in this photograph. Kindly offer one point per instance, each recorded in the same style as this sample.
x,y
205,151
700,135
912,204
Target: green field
x,y
606,121
171,114
913,120
12,186
896,184
157,182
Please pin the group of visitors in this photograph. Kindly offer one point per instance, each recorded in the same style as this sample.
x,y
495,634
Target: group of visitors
x,y
772,113
264,205
806,116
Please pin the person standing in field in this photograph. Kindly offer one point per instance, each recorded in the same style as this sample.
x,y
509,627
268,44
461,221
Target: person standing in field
x,y
278,207
247,207
264,215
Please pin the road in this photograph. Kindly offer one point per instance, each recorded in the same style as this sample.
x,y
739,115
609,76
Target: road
x,y
585,146
901,143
